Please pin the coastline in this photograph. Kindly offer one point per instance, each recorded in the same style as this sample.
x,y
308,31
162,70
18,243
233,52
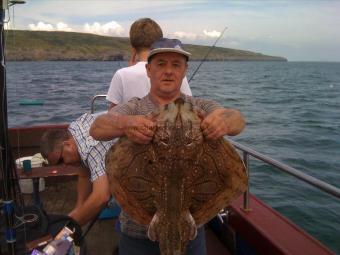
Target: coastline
x,y
23,45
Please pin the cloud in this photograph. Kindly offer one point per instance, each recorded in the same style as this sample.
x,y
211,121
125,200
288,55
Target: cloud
x,y
185,35
112,28
213,33
63,27
192,36
41,26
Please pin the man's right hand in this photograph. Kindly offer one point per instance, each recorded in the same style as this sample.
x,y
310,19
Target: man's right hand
x,y
139,129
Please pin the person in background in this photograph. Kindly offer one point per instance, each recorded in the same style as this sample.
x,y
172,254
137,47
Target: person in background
x,y
133,81
166,68
76,146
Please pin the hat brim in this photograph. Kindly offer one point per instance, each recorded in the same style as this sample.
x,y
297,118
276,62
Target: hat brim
x,y
163,50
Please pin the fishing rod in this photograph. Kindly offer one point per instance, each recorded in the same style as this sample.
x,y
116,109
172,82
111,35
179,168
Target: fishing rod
x,y
7,167
5,164
206,55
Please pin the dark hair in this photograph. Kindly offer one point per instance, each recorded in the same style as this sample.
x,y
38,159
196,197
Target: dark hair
x,y
52,140
144,32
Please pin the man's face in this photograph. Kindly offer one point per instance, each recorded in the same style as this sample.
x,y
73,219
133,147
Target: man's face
x,y
67,153
166,72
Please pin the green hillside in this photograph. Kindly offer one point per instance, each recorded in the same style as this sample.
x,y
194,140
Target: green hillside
x,y
40,46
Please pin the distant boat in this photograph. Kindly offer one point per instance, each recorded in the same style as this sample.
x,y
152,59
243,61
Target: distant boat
x,y
31,102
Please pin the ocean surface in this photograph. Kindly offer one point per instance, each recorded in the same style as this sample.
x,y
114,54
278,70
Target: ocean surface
x,y
292,111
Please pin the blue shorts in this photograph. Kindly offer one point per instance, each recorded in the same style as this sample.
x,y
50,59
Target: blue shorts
x,y
136,246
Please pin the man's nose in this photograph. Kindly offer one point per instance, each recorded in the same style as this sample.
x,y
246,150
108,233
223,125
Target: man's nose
x,y
168,70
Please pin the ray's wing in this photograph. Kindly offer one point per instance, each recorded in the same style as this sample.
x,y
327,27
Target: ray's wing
x,y
133,178
219,178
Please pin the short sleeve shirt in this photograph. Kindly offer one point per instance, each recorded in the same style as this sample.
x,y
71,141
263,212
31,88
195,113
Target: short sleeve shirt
x,y
92,152
132,81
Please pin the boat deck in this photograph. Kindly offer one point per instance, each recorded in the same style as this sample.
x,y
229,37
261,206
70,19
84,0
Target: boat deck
x,y
259,230
60,198
102,237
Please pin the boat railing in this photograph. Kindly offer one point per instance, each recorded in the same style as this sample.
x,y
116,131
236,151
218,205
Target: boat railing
x,y
247,152
94,99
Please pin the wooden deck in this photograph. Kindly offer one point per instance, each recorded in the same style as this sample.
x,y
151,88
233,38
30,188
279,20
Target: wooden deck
x,y
59,197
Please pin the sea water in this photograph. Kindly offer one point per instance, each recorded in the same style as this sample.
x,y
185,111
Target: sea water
x,y
292,111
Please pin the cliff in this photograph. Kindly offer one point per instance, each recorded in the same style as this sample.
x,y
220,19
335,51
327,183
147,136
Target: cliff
x,y
24,45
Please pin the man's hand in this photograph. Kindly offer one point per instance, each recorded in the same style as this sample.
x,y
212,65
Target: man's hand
x,y
139,129
95,202
222,122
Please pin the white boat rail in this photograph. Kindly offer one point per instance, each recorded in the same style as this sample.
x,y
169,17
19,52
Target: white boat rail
x,y
323,186
94,99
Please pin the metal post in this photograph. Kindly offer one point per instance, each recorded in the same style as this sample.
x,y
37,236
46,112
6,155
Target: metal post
x,y
36,196
246,193
94,99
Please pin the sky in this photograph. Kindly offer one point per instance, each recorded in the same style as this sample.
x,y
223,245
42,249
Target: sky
x,y
295,29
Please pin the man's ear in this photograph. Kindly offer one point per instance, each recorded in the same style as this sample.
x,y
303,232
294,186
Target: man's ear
x,y
147,66
67,142
186,69
70,143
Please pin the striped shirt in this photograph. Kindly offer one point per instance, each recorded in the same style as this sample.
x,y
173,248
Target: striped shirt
x,y
92,152
146,106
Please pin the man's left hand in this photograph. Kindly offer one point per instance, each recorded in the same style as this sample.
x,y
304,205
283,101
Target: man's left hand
x,y
222,122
